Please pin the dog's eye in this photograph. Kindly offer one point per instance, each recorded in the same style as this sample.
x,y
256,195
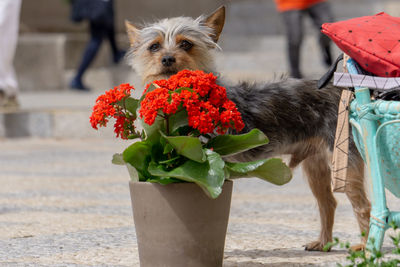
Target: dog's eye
x,y
155,47
185,45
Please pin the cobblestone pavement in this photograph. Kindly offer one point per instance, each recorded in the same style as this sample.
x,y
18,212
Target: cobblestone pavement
x,y
62,203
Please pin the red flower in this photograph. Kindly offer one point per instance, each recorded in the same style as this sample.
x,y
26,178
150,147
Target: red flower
x,y
206,102
119,126
152,103
106,107
231,117
199,81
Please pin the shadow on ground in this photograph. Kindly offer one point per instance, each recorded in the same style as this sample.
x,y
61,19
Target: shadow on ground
x,y
279,253
277,264
293,257
293,254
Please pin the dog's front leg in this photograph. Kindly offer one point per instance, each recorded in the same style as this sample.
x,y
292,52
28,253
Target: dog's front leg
x,y
355,191
317,170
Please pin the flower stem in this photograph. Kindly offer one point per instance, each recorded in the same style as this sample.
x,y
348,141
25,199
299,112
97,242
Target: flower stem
x,y
167,124
166,117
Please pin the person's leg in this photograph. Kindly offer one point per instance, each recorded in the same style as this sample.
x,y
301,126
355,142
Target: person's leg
x,y
9,24
321,13
116,53
96,37
294,36
109,28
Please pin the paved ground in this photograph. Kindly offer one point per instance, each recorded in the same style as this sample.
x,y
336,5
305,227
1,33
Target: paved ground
x,y
62,203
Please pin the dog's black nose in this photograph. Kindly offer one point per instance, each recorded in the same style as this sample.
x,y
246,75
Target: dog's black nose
x,y
167,61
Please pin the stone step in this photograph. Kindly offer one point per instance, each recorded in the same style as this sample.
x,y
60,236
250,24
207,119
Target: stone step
x,y
41,60
51,115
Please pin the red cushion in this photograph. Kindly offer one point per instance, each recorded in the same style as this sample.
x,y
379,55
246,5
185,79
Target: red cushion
x,y
372,41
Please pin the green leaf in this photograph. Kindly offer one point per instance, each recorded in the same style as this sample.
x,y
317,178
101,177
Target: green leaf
x,y
272,170
152,87
209,175
163,180
168,148
157,152
152,132
178,120
187,146
132,173
138,155
133,136
131,104
233,144
118,159
183,89
169,161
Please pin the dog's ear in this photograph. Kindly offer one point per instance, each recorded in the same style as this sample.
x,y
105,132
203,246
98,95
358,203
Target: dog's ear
x,y
133,32
216,22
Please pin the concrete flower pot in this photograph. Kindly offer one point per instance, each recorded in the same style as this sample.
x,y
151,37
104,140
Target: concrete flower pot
x,y
179,225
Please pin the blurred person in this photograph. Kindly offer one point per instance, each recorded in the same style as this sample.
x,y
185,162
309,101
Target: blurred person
x,y
292,12
100,14
9,24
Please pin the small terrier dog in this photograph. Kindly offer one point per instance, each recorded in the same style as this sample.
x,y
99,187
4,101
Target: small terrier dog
x,y
299,119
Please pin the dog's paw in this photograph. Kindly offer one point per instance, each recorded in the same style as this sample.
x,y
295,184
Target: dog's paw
x,y
357,247
315,246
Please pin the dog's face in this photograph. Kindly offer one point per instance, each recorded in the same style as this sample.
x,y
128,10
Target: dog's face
x,y
162,49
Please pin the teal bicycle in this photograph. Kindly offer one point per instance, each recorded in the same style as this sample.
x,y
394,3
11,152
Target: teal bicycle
x,y
376,132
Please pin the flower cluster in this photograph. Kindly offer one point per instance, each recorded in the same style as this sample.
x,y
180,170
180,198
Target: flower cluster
x,y
111,105
205,101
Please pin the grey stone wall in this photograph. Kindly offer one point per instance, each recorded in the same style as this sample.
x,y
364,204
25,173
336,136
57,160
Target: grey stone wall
x,y
50,43
244,17
53,15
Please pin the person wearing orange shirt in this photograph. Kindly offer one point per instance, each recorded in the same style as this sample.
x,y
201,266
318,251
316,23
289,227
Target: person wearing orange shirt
x,y
292,12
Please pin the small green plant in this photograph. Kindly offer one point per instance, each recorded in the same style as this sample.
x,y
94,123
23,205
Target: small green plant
x,y
369,257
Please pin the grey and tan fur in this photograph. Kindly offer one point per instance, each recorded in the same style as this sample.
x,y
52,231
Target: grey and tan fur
x,y
298,119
